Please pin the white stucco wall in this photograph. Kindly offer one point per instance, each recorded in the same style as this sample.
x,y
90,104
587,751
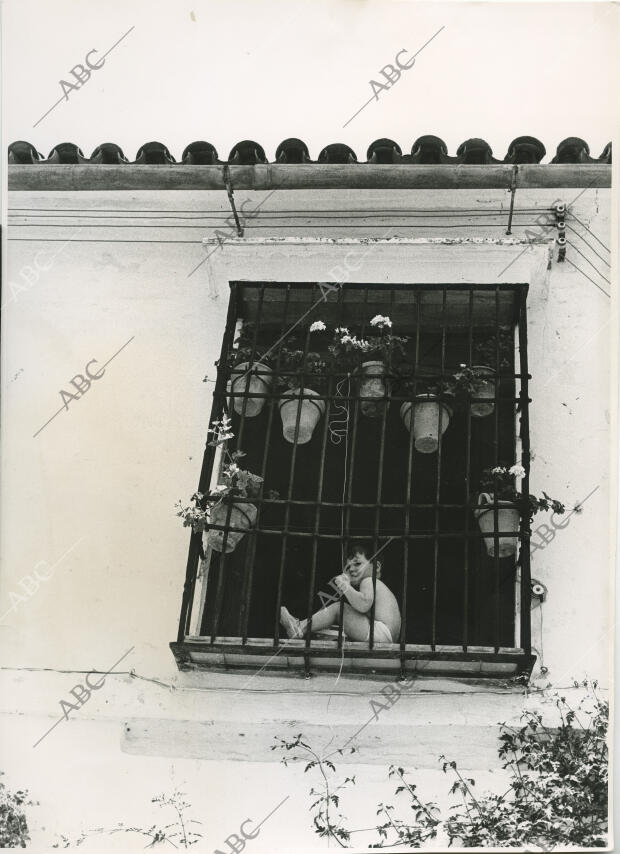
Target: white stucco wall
x,y
102,478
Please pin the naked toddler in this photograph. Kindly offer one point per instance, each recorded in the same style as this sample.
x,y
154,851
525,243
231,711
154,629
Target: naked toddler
x,y
355,584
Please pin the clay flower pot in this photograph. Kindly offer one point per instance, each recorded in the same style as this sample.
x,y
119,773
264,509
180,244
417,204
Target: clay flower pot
x,y
311,412
507,520
254,380
242,515
373,384
480,409
430,421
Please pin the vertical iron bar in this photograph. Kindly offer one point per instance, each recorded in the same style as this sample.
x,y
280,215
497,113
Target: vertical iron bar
x,y
287,514
195,545
466,544
349,485
440,417
408,492
317,512
273,401
496,609
272,405
516,298
250,554
386,405
526,637
345,491
219,596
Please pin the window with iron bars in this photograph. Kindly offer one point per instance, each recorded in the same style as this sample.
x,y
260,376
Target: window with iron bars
x,y
383,452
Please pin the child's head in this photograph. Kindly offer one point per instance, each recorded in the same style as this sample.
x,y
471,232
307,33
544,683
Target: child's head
x,y
359,562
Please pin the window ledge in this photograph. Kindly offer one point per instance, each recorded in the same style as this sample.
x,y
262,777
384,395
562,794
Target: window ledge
x,y
291,656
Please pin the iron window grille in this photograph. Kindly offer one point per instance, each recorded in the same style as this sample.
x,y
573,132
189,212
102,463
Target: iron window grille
x,y
365,479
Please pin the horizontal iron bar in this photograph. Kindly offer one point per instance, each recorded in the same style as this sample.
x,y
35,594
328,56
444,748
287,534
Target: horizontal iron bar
x,y
394,398
431,535
381,288
429,375
391,651
302,502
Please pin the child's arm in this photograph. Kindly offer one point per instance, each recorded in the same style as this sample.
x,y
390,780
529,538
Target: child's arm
x,y
361,599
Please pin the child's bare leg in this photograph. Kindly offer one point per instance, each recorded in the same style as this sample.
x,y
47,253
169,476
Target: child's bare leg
x,y
356,625
323,619
320,620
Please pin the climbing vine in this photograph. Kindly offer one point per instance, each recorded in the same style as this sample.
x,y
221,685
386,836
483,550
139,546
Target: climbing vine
x,y
557,793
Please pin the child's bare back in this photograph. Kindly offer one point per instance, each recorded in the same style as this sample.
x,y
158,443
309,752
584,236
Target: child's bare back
x,y
386,607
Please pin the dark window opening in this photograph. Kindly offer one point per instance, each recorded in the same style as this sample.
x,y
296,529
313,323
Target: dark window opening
x,y
363,477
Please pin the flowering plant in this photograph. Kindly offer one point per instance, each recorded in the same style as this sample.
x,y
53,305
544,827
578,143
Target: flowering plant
x,y
350,351
499,482
237,483
301,367
464,384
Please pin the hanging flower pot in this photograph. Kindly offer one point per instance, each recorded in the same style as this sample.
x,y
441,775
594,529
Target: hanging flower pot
x,y
507,520
480,409
373,384
242,515
430,421
253,379
311,412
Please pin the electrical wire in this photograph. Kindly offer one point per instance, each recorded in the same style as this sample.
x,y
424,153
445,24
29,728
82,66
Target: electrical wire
x,y
588,230
336,434
96,240
264,214
422,211
257,226
508,691
581,237
588,277
587,260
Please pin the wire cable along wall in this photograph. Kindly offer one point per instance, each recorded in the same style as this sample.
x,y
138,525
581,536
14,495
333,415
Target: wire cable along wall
x,y
463,595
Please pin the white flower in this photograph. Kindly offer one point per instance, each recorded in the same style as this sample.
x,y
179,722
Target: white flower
x,y
342,329
222,431
381,320
462,365
498,470
355,342
318,326
233,468
517,470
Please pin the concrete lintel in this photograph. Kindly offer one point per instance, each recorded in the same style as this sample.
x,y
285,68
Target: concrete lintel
x,y
314,176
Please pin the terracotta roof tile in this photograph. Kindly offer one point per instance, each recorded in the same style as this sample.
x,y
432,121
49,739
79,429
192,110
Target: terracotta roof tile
x,y
425,149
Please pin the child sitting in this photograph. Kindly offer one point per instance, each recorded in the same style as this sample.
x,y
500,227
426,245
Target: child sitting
x,y
355,584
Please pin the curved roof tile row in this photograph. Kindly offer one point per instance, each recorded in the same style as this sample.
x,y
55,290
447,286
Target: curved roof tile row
x,y
425,150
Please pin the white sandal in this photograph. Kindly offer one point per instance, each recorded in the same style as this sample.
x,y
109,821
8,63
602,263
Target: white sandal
x,y
291,624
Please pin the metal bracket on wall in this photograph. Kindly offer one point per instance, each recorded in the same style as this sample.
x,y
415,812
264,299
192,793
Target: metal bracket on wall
x,y
229,191
513,190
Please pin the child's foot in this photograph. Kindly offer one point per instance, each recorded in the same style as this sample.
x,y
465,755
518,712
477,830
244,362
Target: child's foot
x,y
291,624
